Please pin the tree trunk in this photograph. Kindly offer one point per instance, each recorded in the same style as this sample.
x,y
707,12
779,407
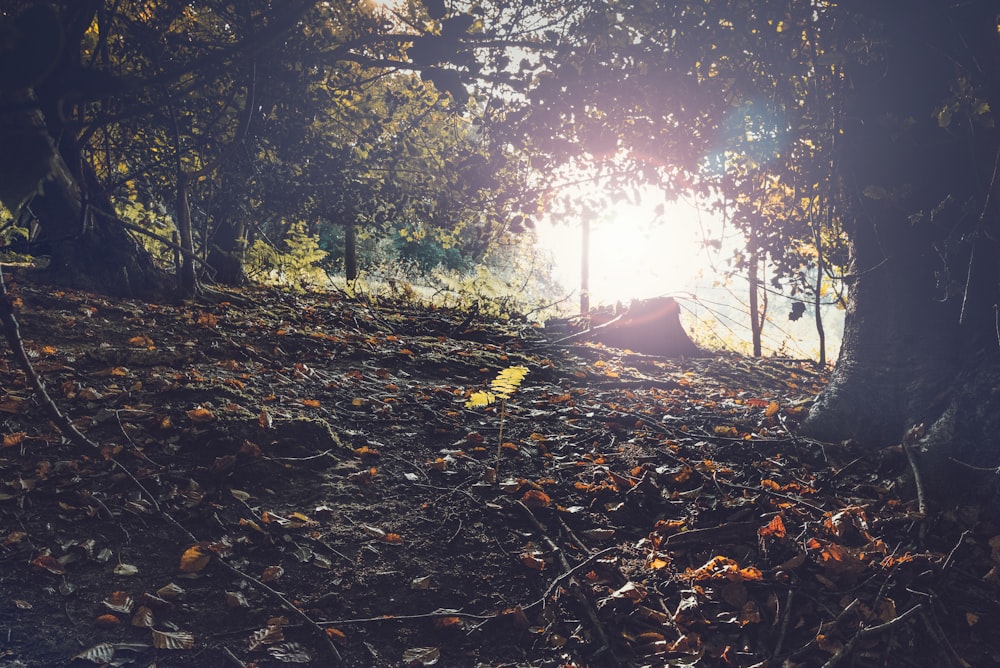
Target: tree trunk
x,y
924,256
89,248
228,252
756,316
585,266
351,252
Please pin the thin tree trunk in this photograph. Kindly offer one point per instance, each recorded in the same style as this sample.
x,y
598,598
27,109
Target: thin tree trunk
x,y
188,278
351,252
755,316
817,307
585,266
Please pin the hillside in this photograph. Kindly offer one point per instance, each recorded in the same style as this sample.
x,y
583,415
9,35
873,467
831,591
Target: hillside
x,y
296,479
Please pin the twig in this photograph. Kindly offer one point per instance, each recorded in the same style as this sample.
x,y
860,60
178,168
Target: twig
x,y
940,640
951,554
437,614
558,582
233,658
914,434
574,588
867,632
786,618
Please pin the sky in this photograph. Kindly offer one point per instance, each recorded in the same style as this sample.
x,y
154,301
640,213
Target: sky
x,y
633,255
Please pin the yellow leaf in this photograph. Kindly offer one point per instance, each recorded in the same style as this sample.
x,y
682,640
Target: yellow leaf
x,y
480,399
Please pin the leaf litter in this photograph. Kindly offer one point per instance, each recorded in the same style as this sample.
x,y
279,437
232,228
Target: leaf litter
x,y
340,473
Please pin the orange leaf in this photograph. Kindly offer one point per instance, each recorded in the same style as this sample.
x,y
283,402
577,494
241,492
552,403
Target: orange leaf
x,y
107,621
11,440
534,498
272,573
142,341
194,559
772,408
394,539
529,560
311,403
208,320
775,528
200,414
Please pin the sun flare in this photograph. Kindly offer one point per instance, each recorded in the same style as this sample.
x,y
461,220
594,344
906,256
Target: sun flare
x,y
634,254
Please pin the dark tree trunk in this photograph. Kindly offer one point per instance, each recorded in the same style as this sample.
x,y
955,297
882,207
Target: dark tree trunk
x,y
920,318
89,248
351,252
585,266
228,252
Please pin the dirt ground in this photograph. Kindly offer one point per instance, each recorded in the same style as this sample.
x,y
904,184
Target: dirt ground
x,y
297,479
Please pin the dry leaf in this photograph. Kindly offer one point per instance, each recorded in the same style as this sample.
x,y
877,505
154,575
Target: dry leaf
x,y
119,601
173,640
532,561
200,414
107,621
421,656
194,559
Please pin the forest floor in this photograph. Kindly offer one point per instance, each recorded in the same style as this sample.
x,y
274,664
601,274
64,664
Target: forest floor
x,y
296,479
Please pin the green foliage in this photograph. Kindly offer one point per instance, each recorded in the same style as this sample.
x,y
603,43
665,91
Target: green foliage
x,y
295,267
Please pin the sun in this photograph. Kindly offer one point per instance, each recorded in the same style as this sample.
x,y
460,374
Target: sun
x,y
634,252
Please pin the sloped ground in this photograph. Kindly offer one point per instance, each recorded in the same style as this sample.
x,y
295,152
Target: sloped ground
x,y
288,479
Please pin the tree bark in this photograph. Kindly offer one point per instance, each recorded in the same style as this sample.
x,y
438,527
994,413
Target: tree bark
x,y
756,315
920,318
351,252
89,249
585,265
228,252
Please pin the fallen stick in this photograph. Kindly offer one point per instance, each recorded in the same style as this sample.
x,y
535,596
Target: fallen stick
x,y
573,588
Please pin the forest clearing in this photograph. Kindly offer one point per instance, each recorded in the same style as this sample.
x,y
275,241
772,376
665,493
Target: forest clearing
x,y
293,372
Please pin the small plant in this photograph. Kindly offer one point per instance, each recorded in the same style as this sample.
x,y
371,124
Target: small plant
x,y
503,388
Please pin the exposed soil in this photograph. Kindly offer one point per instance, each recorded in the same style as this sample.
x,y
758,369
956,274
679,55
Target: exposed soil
x,y
281,479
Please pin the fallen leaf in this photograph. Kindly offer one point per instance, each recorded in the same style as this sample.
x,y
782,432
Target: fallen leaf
x,y
421,656
200,414
176,640
194,559
532,561
107,621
